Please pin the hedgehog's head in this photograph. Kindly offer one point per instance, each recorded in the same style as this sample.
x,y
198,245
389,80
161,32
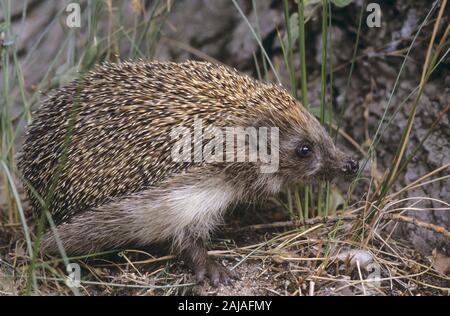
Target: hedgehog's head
x,y
307,152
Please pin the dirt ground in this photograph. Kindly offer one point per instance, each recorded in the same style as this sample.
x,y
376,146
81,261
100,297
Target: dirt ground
x,y
319,258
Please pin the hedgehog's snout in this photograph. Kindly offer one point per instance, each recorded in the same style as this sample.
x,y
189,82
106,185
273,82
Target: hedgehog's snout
x,y
351,167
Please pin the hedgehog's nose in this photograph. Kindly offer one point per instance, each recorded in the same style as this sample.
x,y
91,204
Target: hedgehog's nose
x,y
351,167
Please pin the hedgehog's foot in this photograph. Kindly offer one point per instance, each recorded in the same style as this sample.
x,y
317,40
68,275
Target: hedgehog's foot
x,y
216,273
197,257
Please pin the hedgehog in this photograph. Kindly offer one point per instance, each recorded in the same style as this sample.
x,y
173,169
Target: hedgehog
x,y
99,153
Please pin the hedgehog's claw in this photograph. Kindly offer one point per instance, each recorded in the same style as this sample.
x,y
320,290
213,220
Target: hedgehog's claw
x,y
197,257
216,273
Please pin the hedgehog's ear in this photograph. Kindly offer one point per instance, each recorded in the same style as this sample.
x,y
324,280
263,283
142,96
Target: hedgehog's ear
x,y
271,122
263,121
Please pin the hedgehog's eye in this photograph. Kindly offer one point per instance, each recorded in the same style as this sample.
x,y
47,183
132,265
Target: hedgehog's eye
x,y
303,150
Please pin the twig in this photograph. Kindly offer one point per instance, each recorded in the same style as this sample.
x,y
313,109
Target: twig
x,y
417,222
350,139
298,223
361,278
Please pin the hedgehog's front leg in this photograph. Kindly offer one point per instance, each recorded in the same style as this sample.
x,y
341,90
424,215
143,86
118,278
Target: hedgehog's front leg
x,y
192,205
196,255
